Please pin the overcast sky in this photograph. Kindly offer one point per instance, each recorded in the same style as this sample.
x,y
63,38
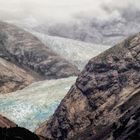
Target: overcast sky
x,y
60,10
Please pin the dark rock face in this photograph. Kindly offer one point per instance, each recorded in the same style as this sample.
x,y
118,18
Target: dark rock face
x,y
104,102
26,51
126,127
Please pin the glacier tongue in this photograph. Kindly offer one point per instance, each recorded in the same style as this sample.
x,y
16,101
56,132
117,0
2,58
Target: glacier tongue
x,y
77,52
35,104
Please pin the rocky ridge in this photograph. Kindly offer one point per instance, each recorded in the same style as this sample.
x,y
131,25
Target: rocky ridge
x,y
104,102
12,77
22,48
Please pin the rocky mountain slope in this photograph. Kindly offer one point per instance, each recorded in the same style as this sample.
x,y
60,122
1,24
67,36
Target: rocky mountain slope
x,y
104,103
12,77
26,51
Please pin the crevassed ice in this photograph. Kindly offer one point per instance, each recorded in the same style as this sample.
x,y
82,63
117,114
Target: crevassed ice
x,y
35,104
77,52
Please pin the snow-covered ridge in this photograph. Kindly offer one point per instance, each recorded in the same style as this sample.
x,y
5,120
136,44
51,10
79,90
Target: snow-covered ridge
x,y
77,52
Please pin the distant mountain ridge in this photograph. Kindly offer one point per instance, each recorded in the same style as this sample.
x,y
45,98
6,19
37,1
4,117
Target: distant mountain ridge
x,y
91,29
27,52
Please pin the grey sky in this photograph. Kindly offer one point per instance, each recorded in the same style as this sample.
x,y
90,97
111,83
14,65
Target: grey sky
x,y
61,10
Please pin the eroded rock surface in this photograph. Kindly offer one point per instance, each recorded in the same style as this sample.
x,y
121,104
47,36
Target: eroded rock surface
x,y
104,102
25,50
12,77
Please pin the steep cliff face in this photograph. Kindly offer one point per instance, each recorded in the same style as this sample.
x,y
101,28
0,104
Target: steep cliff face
x,y
12,77
25,50
104,102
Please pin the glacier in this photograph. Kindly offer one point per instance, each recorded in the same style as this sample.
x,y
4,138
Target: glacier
x,y
36,103
76,52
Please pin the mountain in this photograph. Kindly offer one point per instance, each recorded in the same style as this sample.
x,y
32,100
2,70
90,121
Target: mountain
x,y
76,52
26,51
104,103
13,78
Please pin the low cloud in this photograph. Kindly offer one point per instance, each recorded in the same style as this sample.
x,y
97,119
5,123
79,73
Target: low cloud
x,y
102,21
61,10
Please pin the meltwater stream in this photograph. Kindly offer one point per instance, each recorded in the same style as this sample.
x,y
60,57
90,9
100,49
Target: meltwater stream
x,y
35,104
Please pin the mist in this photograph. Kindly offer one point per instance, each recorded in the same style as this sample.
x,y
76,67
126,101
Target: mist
x,y
101,22
61,10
